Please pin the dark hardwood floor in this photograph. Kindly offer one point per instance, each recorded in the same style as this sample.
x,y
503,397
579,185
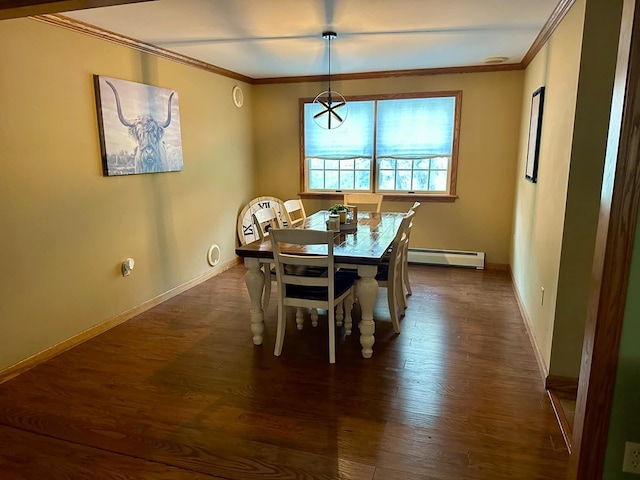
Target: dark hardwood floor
x,y
181,392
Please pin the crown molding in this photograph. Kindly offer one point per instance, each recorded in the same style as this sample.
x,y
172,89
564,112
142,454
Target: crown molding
x,y
25,8
97,32
547,30
391,73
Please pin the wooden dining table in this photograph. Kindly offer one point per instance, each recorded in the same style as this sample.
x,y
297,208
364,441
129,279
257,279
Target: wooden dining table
x,y
363,247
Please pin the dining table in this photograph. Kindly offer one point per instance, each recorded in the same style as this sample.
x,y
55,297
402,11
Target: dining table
x,y
362,246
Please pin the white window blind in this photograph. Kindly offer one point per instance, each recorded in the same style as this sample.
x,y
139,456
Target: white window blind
x,y
385,144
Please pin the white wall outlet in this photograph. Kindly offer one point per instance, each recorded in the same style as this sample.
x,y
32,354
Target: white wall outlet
x,y
631,462
127,266
541,295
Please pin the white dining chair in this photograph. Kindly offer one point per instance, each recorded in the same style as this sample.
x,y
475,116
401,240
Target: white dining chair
x,y
406,286
369,199
296,215
390,273
297,287
265,220
294,209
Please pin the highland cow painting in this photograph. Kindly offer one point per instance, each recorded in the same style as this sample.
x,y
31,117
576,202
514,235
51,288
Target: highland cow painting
x,y
139,127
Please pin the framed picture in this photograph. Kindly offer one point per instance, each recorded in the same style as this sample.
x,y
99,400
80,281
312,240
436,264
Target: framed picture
x,y
535,128
139,127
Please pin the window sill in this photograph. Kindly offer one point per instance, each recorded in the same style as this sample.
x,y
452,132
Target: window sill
x,y
400,197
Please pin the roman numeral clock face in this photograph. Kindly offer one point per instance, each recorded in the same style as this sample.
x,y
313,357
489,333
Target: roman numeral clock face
x,y
247,231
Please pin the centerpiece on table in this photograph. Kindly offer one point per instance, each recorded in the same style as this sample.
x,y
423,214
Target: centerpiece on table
x,y
347,216
340,210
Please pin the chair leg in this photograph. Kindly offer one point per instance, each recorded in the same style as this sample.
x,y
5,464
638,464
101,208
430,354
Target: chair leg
x,y
403,283
348,321
403,301
280,329
400,295
332,334
339,314
405,276
299,318
400,298
267,287
391,300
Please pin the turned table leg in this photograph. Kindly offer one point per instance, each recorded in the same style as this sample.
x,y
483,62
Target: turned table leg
x,y
254,278
367,293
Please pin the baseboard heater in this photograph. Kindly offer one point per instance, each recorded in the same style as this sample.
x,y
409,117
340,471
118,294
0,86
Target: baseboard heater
x,y
455,258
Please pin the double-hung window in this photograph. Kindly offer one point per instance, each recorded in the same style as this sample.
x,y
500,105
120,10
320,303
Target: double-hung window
x,y
395,144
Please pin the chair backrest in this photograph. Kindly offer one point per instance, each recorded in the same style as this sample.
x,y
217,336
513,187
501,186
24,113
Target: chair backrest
x,y
266,219
414,208
295,212
374,199
291,269
400,242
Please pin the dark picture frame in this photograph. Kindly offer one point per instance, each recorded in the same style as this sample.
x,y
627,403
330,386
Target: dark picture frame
x,y
139,127
535,128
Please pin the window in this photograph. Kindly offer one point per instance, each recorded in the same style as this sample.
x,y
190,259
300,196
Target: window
x,y
390,144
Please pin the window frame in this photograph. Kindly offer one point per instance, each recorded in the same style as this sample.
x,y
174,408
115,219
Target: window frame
x,y
397,195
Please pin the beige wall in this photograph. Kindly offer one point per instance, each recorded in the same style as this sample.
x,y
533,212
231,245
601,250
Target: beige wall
x,y
555,219
540,207
481,219
66,228
595,86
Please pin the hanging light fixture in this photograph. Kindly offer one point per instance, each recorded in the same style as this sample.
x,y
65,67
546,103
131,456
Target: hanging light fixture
x,y
329,107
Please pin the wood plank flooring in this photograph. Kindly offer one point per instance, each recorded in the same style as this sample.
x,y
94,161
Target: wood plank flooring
x,y
181,392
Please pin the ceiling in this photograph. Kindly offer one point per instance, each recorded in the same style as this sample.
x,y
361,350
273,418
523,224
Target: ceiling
x,y
283,38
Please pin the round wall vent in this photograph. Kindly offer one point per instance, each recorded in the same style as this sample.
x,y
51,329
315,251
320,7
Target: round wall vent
x,y
238,96
213,255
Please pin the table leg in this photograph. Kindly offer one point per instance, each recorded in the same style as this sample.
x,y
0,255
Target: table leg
x,y
367,293
254,278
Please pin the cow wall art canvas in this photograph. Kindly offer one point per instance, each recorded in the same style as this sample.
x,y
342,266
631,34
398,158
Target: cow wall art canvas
x,y
139,127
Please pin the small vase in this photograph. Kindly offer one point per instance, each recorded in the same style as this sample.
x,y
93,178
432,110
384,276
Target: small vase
x,y
333,223
343,216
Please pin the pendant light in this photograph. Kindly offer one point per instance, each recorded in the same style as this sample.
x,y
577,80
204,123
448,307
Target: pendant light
x,y
329,107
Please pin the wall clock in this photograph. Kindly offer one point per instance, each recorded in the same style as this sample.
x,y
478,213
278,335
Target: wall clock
x,y
247,231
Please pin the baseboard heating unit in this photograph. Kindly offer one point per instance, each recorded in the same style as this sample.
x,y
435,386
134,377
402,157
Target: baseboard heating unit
x,y
455,258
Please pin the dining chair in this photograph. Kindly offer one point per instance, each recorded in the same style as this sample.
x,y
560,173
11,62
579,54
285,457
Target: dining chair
x,y
299,288
266,219
295,212
406,286
364,199
390,273
295,216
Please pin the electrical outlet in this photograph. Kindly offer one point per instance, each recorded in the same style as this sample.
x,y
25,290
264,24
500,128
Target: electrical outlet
x,y
631,462
127,266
